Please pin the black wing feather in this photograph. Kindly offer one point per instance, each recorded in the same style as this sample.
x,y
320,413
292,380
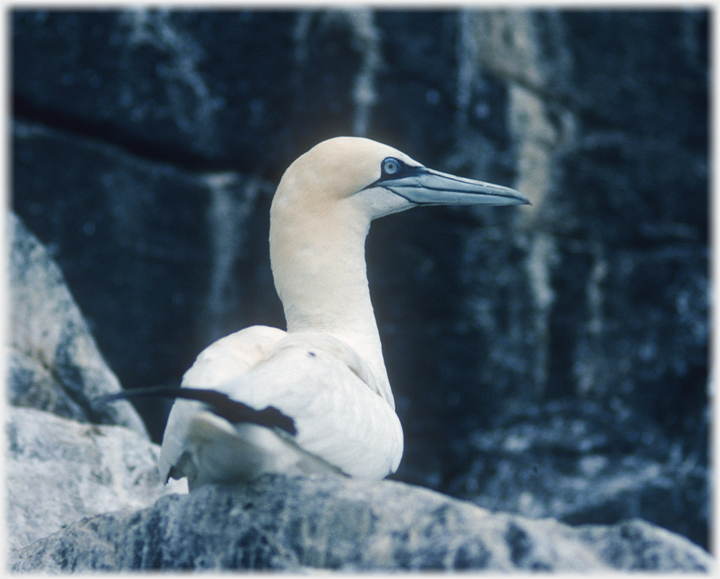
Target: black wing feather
x,y
221,404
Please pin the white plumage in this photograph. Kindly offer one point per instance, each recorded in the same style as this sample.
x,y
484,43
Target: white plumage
x,y
327,372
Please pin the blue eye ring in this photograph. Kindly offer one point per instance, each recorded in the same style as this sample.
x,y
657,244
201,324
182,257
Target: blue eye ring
x,y
390,166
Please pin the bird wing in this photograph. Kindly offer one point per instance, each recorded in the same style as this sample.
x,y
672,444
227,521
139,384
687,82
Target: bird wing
x,y
316,380
225,359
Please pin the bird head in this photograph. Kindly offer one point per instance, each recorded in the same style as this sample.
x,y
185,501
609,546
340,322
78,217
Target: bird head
x,y
378,180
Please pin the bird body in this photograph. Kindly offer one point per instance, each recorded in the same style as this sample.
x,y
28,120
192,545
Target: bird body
x,y
326,373
318,380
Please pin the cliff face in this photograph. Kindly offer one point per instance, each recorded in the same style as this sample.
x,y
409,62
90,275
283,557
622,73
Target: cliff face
x,y
566,342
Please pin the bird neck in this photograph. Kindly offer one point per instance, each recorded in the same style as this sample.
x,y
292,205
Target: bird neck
x,y
318,263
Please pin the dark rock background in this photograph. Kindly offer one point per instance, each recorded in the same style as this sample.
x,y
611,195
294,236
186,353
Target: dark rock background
x,y
532,350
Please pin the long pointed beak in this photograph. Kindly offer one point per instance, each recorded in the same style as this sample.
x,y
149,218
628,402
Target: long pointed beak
x,y
425,186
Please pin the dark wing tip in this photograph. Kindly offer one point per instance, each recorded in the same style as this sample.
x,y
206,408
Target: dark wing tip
x,y
271,416
221,404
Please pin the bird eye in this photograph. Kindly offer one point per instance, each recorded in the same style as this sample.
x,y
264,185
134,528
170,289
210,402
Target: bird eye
x,y
390,166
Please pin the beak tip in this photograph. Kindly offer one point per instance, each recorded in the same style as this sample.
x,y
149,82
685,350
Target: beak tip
x,y
520,198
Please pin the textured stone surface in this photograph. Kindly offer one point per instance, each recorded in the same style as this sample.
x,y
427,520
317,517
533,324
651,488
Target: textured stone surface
x,y
296,524
58,471
53,362
154,248
584,463
146,145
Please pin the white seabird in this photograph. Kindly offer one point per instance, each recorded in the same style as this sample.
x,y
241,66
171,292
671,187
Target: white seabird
x,y
317,397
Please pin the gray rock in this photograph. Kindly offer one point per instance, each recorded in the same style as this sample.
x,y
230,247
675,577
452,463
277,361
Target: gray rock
x,y
584,463
58,471
144,269
32,385
295,524
54,363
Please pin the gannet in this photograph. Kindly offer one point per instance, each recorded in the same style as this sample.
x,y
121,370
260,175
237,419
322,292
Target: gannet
x,y
315,398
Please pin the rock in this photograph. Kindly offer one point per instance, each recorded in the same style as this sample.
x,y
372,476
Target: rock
x,y
58,471
32,385
54,363
158,250
142,76
584,463
299,524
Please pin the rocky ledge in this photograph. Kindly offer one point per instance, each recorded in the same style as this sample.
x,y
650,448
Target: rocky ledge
x,y
299,523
